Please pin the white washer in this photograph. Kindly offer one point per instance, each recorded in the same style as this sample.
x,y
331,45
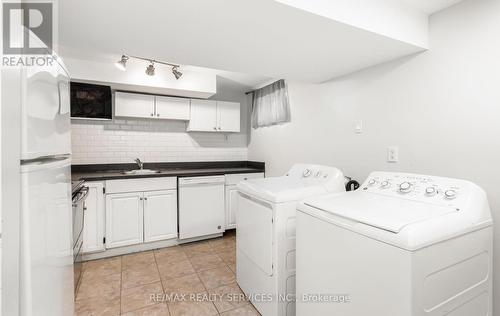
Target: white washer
x,y
265,234
403,244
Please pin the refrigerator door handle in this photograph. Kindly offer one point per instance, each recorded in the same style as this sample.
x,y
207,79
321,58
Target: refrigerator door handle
x,y
59,97
60,86
45,159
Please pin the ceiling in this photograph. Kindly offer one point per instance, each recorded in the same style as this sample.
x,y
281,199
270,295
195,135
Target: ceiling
x,y
431,6
248,41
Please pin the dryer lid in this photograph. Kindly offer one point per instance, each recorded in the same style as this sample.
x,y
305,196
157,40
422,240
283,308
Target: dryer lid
x,y
303,180
382,212
280,189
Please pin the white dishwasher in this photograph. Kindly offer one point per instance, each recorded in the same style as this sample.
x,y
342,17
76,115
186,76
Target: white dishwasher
x,y
201,206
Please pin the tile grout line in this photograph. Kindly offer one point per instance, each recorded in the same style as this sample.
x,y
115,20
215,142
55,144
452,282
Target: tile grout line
x,y
204,286
121,282
227,265
161,282
142,284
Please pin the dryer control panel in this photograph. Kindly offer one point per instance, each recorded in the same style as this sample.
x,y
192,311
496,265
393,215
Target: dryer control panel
x,y
331,178
312,172
429,189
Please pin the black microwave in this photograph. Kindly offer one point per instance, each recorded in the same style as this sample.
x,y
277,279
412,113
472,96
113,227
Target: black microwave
x,y
90,101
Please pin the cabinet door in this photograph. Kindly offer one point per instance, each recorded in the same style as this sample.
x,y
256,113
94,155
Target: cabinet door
x,y
228,116
134,105
93,229
172,108
124,219
203,116
160,215
231,206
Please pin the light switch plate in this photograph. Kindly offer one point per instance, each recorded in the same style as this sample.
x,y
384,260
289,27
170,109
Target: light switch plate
x,y
358,126
392,154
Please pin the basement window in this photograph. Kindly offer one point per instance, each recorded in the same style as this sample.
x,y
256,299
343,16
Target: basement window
x,y
270,105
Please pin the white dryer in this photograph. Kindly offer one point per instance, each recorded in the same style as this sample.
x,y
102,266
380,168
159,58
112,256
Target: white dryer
x,y
265,233
404,244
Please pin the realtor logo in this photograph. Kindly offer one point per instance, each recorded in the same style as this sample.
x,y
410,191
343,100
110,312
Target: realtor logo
x,y
21,19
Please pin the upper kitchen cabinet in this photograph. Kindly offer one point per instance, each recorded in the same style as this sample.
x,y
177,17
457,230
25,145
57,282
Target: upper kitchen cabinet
x,y
134,105
228,116
203,116
151,106
214,116
172,108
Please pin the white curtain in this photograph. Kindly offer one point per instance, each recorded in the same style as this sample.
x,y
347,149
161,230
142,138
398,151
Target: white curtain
x,y
270,105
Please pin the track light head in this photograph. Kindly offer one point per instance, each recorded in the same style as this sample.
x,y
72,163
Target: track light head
x,y
176,72
150,70
122,63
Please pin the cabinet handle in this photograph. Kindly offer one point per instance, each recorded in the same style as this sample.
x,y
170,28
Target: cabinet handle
x,y
219,128
145,199
158,115
152,114
215,128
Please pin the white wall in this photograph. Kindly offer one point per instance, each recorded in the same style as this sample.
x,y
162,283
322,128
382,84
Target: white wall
x,y
441,107
122,140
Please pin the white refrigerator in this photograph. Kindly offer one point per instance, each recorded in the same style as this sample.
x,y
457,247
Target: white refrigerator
x,y
45,221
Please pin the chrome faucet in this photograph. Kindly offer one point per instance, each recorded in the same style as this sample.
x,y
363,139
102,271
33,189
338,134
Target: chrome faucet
x,y
139,163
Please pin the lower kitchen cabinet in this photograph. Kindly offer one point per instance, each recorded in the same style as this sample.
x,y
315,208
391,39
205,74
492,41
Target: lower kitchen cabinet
x,y
124,219
231,205
140,210
94,218
160,215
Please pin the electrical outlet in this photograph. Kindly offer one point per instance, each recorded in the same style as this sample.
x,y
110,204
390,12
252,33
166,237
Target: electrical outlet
x,y
392,154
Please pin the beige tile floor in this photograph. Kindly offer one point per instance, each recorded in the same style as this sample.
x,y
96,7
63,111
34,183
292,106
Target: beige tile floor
x,y
198,279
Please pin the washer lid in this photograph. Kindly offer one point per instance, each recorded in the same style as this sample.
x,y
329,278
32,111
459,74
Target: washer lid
x,y
281,189
382,212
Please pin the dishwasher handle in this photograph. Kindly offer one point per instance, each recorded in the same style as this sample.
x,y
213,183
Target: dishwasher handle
x,y
201,180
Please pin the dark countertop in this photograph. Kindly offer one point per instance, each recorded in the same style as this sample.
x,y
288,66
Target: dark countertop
x,y
185,169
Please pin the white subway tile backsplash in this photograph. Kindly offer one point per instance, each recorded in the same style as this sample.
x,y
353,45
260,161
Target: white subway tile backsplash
x,y
110,142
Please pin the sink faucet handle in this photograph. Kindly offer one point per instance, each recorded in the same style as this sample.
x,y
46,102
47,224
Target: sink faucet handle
x,y
139,163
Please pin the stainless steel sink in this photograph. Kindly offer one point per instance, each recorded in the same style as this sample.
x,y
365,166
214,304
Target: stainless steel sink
x,y
141,171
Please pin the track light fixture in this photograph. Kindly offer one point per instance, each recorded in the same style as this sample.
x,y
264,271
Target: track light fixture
x,y
176,72
150,69
122,63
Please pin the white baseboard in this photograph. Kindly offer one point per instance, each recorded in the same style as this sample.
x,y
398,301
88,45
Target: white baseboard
x,y
113,252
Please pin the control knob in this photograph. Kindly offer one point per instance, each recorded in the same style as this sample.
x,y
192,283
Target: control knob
x,y
385,184
306,173
450,194
372,182
430,191
405,187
